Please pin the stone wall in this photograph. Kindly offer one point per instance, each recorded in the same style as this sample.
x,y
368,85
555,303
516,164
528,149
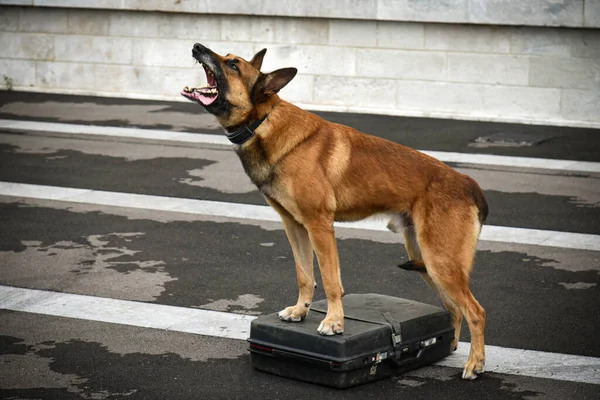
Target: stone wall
x,y
398,63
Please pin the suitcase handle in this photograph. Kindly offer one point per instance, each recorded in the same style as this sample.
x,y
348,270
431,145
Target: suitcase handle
x,y
398,361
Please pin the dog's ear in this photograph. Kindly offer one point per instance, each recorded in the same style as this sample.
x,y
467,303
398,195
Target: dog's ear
x,y
258,59
276,80
268,84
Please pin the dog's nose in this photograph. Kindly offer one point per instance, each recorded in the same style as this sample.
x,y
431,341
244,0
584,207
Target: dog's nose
x,y
198,48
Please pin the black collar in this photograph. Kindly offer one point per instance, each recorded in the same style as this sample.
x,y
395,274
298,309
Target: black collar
x,y
245,133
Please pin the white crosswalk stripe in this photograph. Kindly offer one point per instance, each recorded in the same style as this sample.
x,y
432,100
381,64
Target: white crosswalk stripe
x,y
264,213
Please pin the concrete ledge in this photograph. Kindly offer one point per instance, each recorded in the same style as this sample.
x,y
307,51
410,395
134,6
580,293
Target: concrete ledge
x,y
567,13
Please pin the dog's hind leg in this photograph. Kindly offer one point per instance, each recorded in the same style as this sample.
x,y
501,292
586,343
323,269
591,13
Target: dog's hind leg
x,y
303,257
414,254
448,255
475,315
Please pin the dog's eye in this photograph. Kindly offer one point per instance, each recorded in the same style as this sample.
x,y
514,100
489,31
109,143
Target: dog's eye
x,y
233,66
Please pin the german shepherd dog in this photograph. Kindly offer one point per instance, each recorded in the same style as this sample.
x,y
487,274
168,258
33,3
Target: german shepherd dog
x,y
314,172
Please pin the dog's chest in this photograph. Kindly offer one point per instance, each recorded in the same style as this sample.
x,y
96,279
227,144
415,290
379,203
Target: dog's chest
x,y
257,167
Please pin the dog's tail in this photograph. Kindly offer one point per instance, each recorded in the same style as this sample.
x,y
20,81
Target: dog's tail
x,y
414,265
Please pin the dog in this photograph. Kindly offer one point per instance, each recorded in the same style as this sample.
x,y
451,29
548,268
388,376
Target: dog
x,y
314,172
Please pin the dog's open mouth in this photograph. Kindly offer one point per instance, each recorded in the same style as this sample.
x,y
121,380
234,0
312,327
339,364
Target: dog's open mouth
x,y
205,95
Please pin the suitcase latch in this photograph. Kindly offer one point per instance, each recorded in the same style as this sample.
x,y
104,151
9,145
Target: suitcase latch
x,y
396,339
379,357
428,342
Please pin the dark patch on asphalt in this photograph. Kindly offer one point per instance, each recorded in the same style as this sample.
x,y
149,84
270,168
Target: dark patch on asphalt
x,y
161,176
103,374
526,309
582,144
538,211
107,374
8,242
157,176
12,345
130,267
527,305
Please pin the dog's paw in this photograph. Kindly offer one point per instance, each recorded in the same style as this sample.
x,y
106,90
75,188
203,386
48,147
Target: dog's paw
x,y
473,369
330,327
293,314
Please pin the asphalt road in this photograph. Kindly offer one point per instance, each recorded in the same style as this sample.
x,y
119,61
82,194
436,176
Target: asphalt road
x,y
537,297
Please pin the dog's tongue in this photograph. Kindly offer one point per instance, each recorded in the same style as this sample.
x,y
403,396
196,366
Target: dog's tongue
x,y
204,99
198,96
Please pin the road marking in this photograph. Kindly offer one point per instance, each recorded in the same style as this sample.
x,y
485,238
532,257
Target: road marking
x,y
490,233
132,133
519,162
147,315
537,364
203,138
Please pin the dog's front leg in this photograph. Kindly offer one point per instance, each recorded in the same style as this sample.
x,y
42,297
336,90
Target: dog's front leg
x,y
322,237
303,257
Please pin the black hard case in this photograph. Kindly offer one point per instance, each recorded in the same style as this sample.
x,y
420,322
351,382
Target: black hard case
x,y
383,336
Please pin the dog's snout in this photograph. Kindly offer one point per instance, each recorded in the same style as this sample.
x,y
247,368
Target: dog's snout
x,y
198,48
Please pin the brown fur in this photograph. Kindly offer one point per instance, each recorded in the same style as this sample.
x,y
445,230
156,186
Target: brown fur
x,y
314,172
